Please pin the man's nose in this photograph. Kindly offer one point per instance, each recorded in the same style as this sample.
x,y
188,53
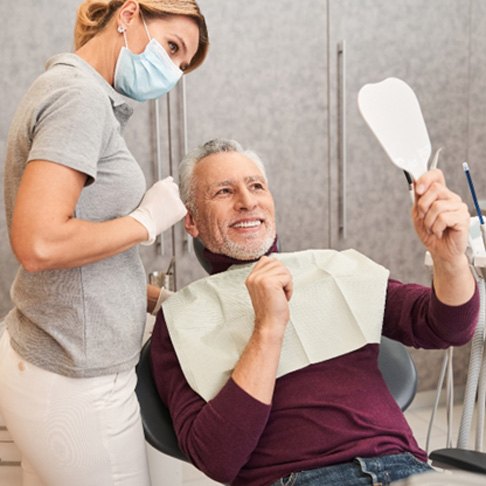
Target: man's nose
x,y
245,200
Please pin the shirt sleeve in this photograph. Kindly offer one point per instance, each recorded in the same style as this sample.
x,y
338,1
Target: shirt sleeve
x,y
217,436
69,127
416,317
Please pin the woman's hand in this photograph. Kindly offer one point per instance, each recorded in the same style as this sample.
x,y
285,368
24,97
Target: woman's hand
x,y
161,208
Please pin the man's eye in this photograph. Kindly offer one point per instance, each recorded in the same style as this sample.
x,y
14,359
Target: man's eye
x,y
257,186
223,191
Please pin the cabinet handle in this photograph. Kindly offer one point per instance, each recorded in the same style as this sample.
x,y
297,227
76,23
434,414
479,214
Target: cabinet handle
x,y
158,165
187,237
342,152
171,172
184,114
157,158
169,133
9,463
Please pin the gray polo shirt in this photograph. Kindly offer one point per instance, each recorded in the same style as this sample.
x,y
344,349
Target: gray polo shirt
x,y
85,321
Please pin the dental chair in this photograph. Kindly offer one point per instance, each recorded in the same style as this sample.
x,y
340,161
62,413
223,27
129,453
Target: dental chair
x,y
395,364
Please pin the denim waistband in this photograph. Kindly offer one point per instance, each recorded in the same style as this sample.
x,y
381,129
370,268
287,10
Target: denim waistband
x,y
362,471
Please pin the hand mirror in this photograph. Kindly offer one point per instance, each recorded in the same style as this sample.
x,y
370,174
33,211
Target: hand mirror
x,y
392,111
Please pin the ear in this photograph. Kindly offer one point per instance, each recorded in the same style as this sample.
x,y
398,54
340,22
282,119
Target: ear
x,y
190,225
128,12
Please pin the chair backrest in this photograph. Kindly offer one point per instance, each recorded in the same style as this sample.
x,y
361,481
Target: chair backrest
x,y
199,252
157,424
398,370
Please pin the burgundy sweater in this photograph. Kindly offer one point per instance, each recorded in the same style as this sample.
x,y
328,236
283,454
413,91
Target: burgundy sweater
x,y
324,414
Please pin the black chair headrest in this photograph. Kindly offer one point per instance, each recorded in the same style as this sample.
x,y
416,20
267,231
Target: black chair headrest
x,y
200,250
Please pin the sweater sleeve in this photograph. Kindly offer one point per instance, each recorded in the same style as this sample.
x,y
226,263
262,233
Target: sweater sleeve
x,y
217,436
416,317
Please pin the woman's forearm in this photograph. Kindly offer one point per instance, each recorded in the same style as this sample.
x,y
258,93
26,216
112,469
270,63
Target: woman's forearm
x,y
76,243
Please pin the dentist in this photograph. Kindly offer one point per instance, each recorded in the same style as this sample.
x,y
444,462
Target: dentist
x,y
76,212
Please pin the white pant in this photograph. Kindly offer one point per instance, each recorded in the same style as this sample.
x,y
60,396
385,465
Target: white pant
x,y
72,431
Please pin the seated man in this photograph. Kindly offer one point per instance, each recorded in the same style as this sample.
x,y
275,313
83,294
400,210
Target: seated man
x,y
270,417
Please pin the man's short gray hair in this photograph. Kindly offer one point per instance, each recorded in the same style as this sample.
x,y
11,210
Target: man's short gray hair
x,y
189,162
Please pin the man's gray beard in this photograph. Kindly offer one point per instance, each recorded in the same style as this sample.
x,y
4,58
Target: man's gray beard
x,y
242,252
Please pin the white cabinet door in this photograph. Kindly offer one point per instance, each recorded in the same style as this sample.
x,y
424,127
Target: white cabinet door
x,y
477,102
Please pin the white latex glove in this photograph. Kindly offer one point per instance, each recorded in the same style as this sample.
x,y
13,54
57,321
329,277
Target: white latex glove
x,y
160,208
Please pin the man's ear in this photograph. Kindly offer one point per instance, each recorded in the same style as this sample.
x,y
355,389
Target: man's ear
x,y
190,225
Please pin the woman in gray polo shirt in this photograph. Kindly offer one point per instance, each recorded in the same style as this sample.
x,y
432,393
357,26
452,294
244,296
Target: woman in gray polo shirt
x,y
76,212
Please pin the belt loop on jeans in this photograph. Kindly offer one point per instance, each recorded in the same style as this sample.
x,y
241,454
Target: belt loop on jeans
x,y
289,480
371,474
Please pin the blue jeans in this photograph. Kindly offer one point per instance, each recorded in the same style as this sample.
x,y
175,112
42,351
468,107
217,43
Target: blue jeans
x,y
363,471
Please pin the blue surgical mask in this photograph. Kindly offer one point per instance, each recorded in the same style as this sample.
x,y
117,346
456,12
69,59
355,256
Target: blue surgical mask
x,y
148,75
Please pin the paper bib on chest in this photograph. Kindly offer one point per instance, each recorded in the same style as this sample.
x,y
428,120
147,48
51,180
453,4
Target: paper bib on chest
x,y
337,307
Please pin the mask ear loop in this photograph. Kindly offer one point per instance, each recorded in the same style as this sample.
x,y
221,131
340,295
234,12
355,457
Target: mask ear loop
x,y
145,25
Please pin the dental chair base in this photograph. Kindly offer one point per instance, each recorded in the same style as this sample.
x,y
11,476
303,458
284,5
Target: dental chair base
x,y
463,459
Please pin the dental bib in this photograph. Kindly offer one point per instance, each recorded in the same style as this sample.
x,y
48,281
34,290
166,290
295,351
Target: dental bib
x,y
337,307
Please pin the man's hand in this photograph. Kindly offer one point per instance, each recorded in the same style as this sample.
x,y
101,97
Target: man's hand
x,y
441,220
270,287
440,217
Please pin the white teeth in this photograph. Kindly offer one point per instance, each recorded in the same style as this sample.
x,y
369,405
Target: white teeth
x,y
247,224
